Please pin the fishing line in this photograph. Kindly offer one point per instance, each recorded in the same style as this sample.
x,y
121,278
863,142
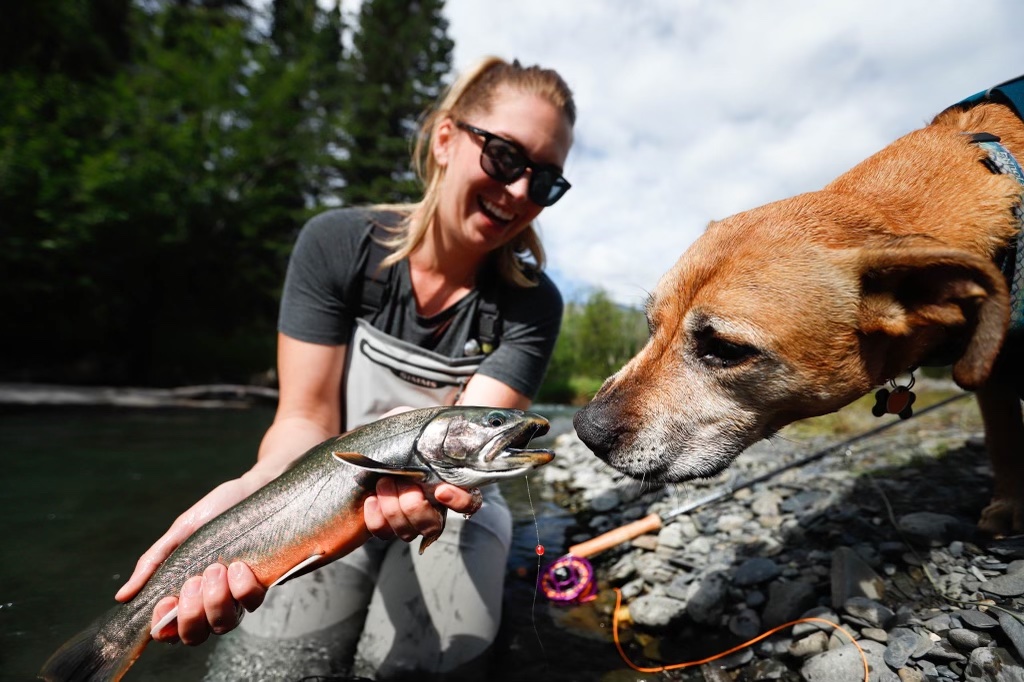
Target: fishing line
x,y
738,647
540,552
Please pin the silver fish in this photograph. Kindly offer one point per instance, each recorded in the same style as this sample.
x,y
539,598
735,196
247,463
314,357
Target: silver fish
x,y
312,514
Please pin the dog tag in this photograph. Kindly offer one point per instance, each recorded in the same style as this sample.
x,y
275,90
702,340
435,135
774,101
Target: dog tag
x,y
898,400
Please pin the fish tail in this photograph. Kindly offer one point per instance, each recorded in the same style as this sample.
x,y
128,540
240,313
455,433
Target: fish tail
x,y
92,656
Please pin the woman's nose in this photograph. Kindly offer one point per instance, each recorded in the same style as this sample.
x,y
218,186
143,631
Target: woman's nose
x,y
520,187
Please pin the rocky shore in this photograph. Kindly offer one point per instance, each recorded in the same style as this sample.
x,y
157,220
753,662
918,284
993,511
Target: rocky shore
x,y
876,535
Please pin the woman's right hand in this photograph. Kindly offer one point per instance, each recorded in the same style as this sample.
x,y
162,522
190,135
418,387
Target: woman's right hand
x,y
208,603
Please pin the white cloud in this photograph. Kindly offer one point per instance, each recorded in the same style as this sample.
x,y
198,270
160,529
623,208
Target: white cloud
x,y
693,110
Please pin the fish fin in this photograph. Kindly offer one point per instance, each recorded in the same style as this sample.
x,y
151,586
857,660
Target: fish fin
x,y
428,540
168,618
364,462
295,569
83,657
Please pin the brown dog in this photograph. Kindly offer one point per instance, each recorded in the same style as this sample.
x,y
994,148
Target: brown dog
x,y
801,306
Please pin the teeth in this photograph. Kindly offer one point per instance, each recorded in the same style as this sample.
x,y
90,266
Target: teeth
x,y
503,215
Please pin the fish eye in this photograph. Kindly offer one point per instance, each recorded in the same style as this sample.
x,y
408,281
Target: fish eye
x,y
495,419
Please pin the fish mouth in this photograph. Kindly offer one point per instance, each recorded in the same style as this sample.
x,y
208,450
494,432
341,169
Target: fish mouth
x,y
508,450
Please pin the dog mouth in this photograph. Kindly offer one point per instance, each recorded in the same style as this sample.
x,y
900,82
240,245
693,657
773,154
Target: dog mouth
x,y
666,468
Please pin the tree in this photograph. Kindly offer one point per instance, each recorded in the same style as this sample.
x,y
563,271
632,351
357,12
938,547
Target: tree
x,y
401,54
156,165
597,338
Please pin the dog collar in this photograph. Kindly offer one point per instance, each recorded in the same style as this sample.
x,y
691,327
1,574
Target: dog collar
x,y
1000,160
1010,93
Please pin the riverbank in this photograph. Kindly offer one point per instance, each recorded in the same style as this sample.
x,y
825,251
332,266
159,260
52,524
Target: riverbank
x,y
878,536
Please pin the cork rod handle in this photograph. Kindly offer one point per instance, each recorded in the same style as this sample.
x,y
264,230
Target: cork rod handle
x,y
616,536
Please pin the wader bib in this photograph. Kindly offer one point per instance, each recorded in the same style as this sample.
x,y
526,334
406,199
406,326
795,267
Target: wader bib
x,y
385,609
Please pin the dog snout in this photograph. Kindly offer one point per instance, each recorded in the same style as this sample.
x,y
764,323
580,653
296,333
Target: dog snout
x,y
599,426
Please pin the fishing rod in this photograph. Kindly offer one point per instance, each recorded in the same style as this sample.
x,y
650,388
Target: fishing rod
x,y
570,579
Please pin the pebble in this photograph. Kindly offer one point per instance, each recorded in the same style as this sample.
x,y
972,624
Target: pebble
x,y
817,541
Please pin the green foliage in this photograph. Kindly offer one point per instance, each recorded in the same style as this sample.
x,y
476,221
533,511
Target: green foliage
x,y
598,337
398,38
156,162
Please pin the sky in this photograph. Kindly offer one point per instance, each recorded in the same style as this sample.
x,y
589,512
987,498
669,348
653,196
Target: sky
x,y
693,110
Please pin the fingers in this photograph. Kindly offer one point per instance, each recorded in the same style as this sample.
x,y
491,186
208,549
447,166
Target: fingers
x,y
219,607
147,565
209,604
192,626
400,508
169,632
244,587
457,499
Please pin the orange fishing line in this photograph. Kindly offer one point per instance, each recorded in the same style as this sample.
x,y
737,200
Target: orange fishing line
x,y
738,647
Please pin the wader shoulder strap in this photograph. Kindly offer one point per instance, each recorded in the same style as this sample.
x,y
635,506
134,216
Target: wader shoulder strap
x,y
376,279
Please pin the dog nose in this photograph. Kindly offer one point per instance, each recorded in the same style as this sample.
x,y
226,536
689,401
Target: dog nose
x,y
597,428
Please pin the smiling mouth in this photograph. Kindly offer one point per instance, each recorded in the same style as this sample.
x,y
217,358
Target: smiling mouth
x,y
493,212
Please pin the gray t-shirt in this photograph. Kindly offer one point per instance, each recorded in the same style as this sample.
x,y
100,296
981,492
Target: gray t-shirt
x,y
321,301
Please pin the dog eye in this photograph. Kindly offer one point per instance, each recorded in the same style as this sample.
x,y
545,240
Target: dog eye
x,y
721,353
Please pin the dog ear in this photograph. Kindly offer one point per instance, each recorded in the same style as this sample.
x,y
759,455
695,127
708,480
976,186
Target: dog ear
x,y
936,294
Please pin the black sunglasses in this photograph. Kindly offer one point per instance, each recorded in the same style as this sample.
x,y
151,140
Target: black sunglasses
x,y
505,161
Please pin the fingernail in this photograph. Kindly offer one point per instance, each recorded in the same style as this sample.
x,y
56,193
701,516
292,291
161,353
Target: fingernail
x,y
213,572
236,570
444,496
192,587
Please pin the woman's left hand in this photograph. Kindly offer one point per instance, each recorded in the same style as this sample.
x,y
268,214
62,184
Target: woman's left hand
x,y
401,508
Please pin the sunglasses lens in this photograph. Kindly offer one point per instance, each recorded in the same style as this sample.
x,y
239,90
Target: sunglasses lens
x,y
502,161
546,186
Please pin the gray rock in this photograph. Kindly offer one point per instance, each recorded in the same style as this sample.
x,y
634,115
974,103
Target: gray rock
x,y
730,522
766,503
746,624
910,675
786,601
846,665
992,665
977,619
654,569
853,577
605,501
928,528
874,613
672,536
706,603
900,647
968,640
943,652
804,501
820,612
769,669
1014,629
939,623
812,644
656,611
755,571
877,634
1010,585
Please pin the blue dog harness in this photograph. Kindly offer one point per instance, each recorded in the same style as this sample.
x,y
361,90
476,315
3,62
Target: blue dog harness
x,y
1000,160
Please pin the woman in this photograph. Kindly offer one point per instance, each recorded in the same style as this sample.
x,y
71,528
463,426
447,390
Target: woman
x,y
447,310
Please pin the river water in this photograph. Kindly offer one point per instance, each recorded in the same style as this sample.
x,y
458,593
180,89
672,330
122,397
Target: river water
x,y
85,491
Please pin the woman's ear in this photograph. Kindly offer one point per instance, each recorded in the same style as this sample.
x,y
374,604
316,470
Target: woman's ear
x,y
441,141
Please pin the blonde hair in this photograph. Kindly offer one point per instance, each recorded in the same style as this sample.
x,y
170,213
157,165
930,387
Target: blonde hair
x,y
474,92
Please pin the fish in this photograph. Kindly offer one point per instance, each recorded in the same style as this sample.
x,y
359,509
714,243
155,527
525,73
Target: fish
x,y
312,514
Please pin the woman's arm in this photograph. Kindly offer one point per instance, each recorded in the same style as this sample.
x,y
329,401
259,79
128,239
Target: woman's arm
x,y
307,414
